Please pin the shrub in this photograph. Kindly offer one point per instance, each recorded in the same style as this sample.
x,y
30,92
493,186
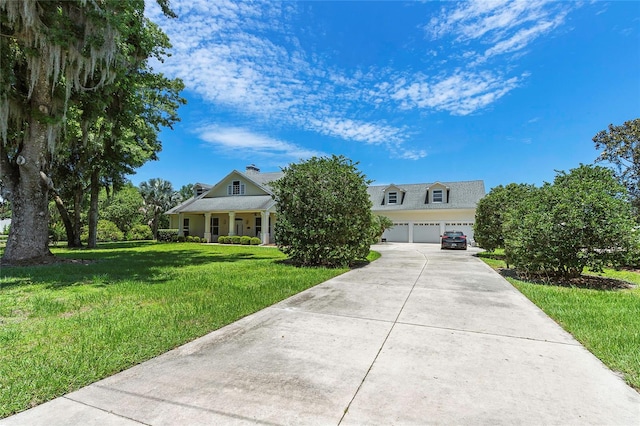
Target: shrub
x,y
323,212
181,238
189,238
140,232
581,220
222,239
235,239
255,241
245,241
168,235
106,231
196,239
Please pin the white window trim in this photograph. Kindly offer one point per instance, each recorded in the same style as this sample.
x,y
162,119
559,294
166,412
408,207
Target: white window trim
x,y
231,189
389,197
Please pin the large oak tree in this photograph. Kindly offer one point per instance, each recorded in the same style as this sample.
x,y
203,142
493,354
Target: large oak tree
x,y
50,52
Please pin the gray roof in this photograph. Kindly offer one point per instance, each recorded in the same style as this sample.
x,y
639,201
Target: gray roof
x,y
263,179
234,203
462,195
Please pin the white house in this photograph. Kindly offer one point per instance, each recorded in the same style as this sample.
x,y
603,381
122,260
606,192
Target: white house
x,y
422,212
242,204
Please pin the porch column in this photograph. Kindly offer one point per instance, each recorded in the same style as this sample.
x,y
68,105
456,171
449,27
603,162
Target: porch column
x,y
232,223
207,227
265,226
410,232
180,224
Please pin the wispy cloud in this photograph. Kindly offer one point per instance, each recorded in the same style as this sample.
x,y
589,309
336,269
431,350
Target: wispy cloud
x,y
253,144
500,26
246,57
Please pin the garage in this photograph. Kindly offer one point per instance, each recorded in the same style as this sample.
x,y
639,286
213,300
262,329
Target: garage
x,y
426,233
398,234
466,227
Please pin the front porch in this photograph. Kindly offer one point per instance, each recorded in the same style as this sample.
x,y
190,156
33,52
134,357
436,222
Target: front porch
x,y
211,225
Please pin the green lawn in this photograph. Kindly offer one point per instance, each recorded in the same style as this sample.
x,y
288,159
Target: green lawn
x,y
67,325
607,322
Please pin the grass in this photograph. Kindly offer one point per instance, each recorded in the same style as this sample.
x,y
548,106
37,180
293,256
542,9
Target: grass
x,y
66,325
606,322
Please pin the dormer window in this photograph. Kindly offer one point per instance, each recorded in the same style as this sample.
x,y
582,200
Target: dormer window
x,y
392,198
437,196
236,188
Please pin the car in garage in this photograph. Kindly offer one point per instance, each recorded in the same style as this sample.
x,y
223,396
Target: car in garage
x,y
453,240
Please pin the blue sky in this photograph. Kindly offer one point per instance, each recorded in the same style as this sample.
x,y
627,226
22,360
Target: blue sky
x,y
500,91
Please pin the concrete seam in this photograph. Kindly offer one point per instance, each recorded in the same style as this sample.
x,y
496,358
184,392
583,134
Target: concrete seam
x,y
105,411
461,330
384,342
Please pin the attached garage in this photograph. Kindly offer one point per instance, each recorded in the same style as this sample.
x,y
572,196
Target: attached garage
x,y
426,232
398,234
465,227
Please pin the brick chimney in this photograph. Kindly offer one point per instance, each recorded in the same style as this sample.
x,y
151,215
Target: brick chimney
x,y
252,169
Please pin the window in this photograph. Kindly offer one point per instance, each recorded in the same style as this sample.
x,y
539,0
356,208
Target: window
x,y
236,188
215,226
258,226
185,227
392,198
437,195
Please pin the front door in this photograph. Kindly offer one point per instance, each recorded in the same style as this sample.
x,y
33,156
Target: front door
x,y
239,228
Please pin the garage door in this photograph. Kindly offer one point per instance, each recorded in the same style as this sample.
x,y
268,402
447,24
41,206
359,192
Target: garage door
x,y
399,233
426,233
466,227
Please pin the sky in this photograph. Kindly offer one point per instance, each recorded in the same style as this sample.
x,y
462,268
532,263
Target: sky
x,y
415,92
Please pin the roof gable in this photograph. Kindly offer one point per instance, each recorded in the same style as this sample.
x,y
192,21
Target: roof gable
x,y
461,195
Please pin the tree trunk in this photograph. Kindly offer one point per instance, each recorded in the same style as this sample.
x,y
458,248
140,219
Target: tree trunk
x,y
93,208
28,241
73,239
78,197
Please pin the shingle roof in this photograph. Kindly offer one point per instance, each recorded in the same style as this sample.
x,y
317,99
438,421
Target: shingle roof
x,y
240,202
462,195
263,179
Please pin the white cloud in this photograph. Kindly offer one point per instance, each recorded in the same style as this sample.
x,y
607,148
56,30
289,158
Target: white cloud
x,y
246,57
252,144
461,93
502,26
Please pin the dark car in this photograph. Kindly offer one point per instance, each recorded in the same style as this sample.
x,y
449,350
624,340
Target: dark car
x,y
453,240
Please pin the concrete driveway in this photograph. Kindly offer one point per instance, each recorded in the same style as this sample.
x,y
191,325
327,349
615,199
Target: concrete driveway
x,y
418,337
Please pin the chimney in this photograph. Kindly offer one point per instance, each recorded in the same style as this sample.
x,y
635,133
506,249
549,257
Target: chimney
x,y
252,169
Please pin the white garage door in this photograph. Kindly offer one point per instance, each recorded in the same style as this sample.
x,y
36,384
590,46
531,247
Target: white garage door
x,y
426,233
466,227
398,234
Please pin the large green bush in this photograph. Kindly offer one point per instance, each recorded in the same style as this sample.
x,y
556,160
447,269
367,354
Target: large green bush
x,y
106,231
324,212
488,229
139,232
583,219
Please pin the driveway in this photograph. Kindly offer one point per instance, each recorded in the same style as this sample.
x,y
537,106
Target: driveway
x,y
420,336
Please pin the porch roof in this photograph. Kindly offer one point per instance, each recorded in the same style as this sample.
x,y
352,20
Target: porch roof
x,y
239,203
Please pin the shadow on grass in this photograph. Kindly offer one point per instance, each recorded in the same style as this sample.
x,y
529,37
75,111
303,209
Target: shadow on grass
x,y
114,262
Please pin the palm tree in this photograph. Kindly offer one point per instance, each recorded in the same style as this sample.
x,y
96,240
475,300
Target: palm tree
x,y
158,196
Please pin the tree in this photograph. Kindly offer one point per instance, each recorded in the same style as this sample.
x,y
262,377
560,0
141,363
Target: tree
x,y
621,147
124,207
581,220
49,50
490,211
324,212
158,196
186,192
379,224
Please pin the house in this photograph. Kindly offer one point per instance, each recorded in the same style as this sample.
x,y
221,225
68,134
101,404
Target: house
x,y
242,204
422,212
